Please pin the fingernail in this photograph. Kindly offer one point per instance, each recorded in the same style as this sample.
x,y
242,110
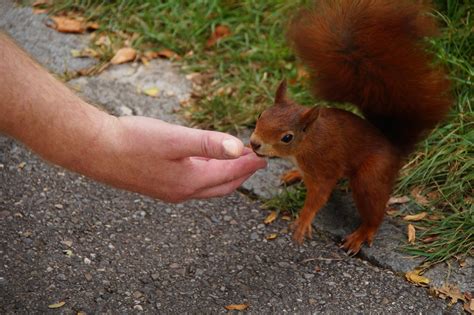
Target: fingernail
x,y
231,148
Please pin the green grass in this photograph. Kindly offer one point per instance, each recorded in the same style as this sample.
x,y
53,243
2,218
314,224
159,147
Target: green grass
x,y
248,64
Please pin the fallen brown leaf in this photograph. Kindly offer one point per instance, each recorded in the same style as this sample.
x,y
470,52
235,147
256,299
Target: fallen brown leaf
x,y
397,200
450,291
37,3
469,304
419,198
92,26
415,278
271,217
220,32
286,218
152,91
67,25
236,307
411,233
124,55
103,40
271,236
168,54
415,217
40,11
429,239
57,305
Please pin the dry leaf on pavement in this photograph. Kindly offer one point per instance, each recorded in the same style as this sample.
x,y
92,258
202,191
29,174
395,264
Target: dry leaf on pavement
x,y
411,233
123,55
220,32
450,291
40,11
415,278
236,307
415,217
57,305
153,91
67,25
397,200
469,304
271,217
271,236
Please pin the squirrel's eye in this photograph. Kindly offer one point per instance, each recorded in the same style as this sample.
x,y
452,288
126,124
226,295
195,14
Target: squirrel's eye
x,y
259,115
287,138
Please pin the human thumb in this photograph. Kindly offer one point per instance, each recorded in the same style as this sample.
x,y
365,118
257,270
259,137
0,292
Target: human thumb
x,y
210,144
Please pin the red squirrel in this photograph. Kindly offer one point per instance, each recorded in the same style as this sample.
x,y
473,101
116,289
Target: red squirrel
x,y
370,53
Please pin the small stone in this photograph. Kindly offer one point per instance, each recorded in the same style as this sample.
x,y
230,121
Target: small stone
x,y
385,301
312,301
360,294
58,206
49,269
283,264
155,276
174,266
137,294
254,236
125,111
227,218
138,308
88,276
233,222
62,277
67,243
199,272
308,276
87,261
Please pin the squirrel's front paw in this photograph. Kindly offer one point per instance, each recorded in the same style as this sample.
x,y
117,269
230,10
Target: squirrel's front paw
x,y
301,229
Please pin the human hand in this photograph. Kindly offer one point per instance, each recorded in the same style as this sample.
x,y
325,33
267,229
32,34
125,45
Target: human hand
x,y
170,162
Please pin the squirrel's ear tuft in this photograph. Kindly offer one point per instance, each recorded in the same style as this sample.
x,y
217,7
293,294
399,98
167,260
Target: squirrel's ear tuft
x,y
309,117
280,97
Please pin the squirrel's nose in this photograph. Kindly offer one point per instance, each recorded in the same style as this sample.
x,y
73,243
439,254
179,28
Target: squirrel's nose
x,y
255,146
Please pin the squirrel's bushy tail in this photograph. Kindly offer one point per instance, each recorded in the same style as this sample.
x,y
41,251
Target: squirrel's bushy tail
x,y
371,53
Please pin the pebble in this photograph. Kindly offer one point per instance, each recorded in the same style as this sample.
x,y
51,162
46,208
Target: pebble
x,y
87,261
88,276
138,308
137,294
62,277
254,236
308,276
156,276
227,218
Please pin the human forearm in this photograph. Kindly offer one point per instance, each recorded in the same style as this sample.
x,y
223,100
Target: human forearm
x,y
41,112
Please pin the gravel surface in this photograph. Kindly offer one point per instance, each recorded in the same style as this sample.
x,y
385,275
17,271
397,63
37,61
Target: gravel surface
x,y
101,250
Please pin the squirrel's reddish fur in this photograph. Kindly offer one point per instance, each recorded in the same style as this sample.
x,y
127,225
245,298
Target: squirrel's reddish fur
x,y
370,53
